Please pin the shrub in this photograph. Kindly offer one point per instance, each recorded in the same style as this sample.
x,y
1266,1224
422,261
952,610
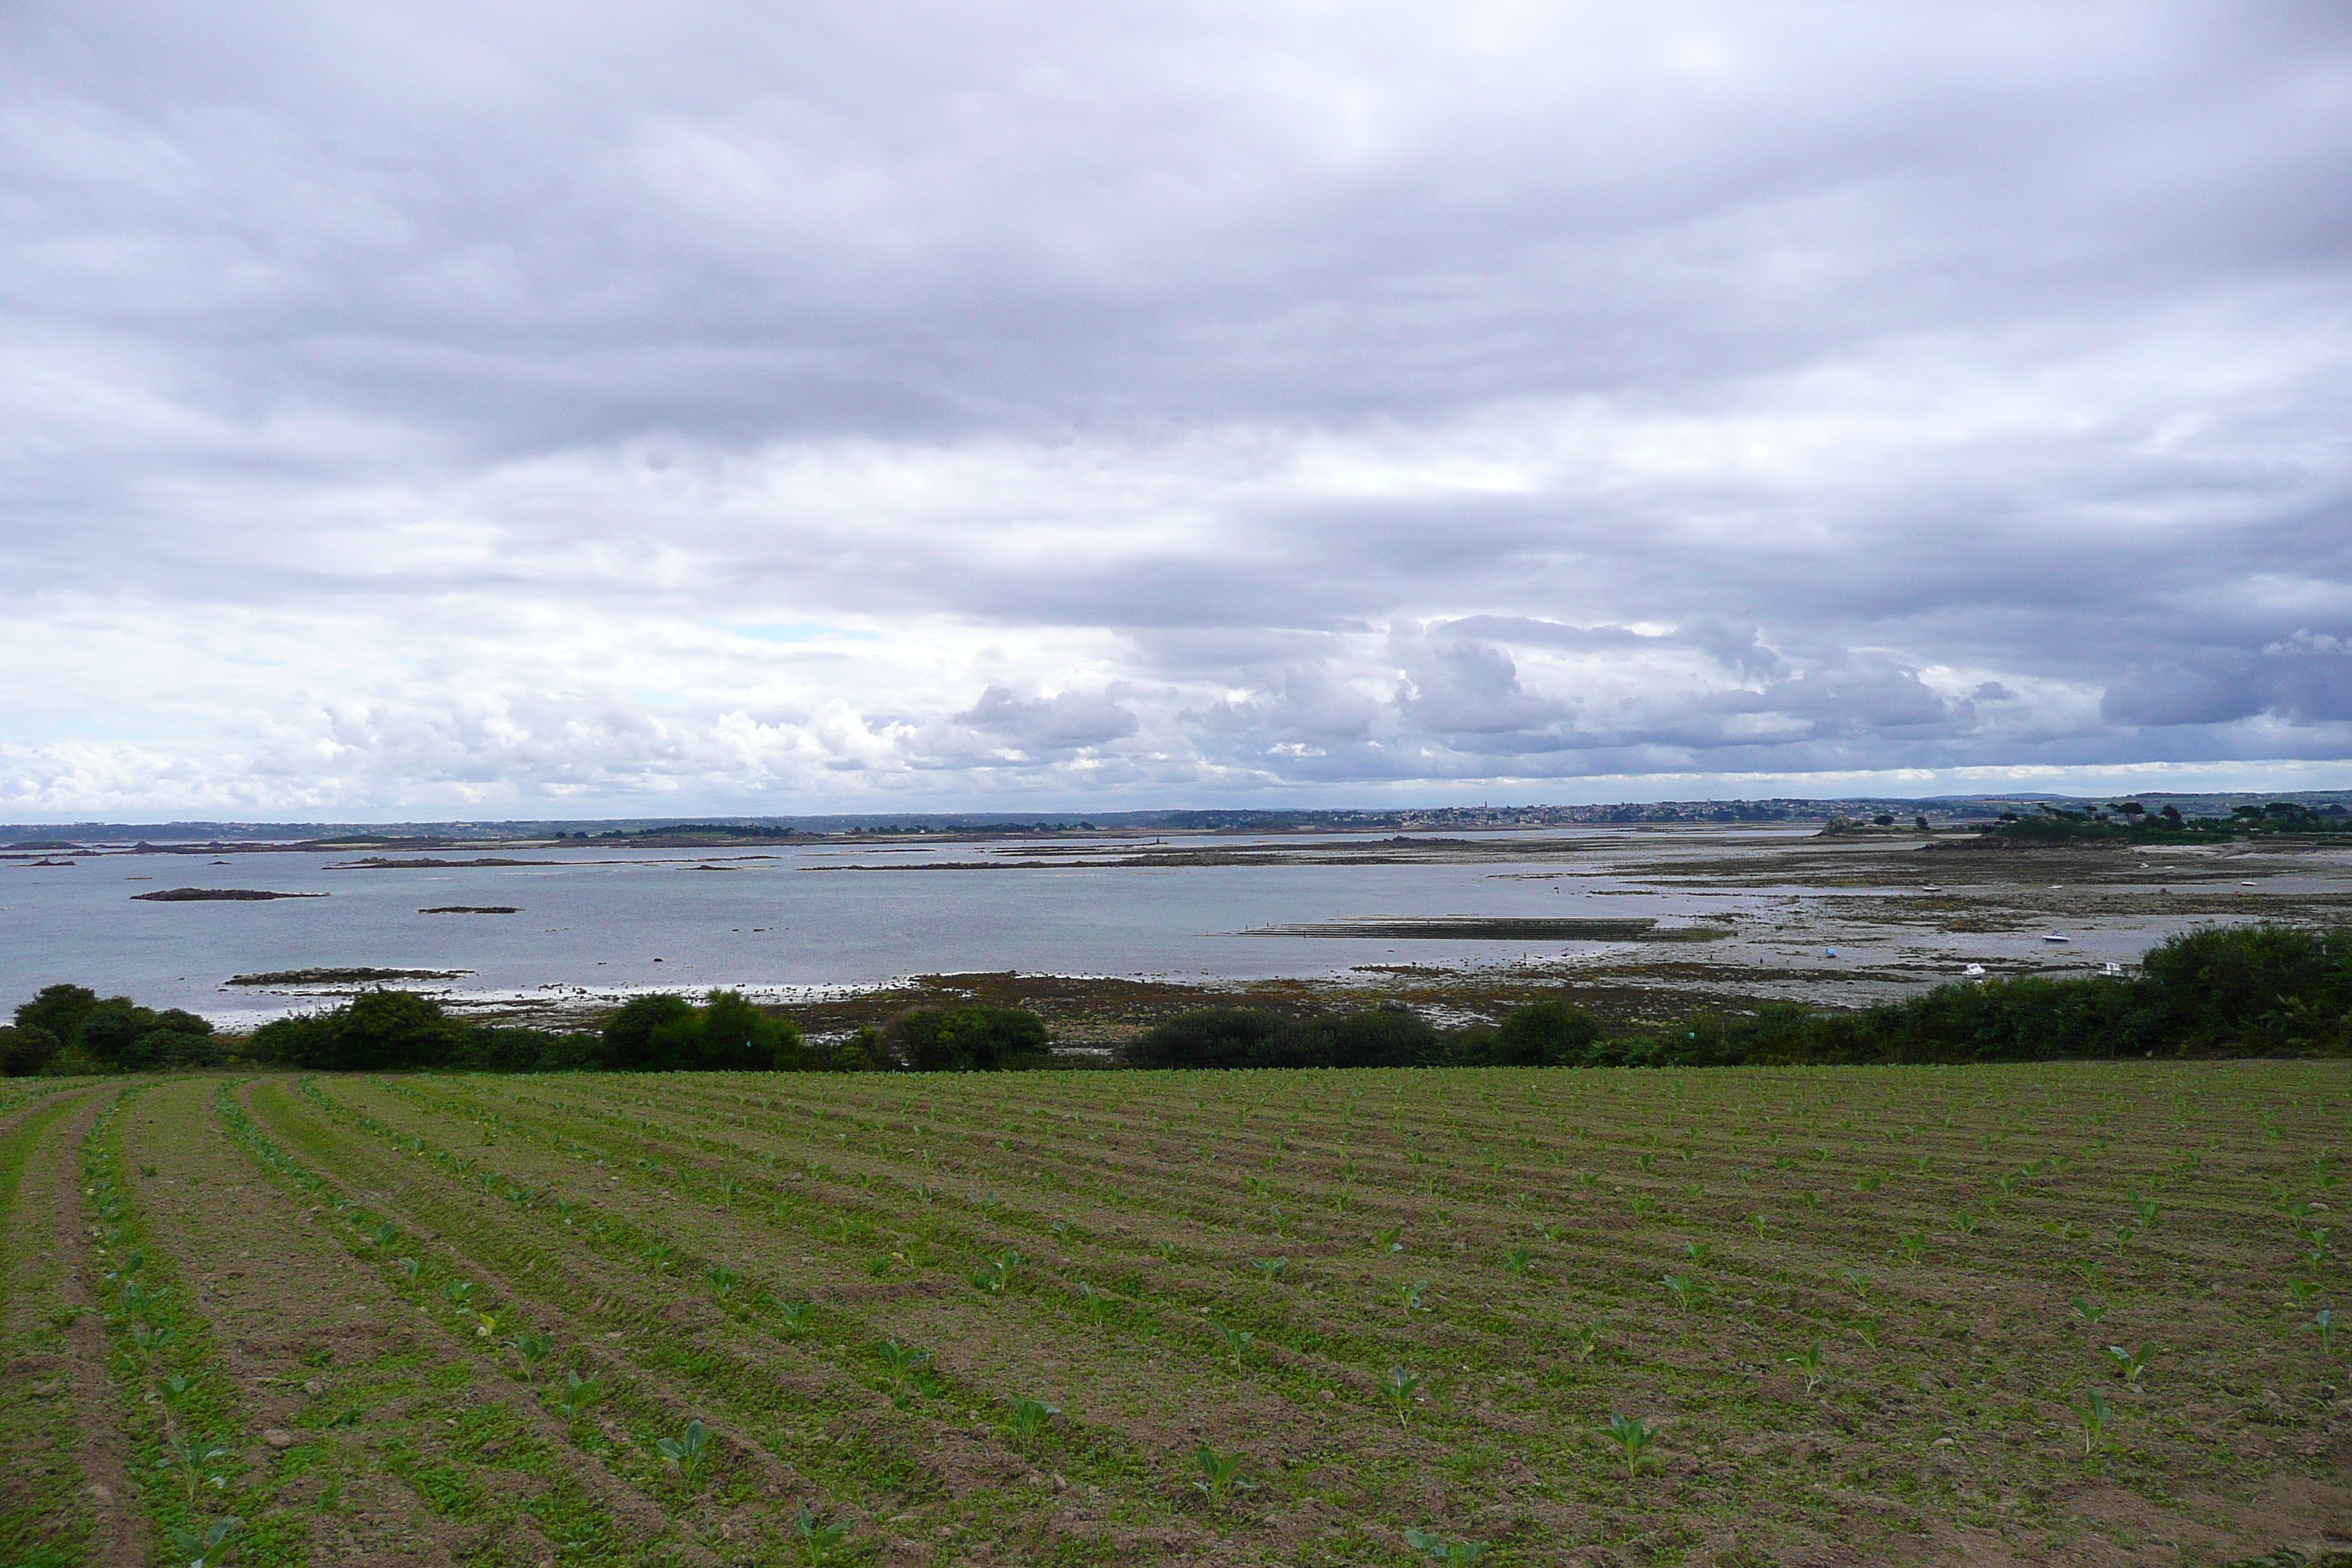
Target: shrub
x,y
373,1031
72,1028
669,1033
965,1039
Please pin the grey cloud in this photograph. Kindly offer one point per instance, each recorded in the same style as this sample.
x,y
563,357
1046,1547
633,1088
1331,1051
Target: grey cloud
x,y
398,396
1065,721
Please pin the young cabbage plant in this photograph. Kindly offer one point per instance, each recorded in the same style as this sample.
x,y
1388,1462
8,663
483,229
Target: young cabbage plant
x,y
1583,1339
1220,1474
578,1393
1236,1341
2094,1414
2128,1363
1452,1554
1389,1240
1398,1388
722,1279
1809,1365
1271,1269
2090,1312
191,1461
1413,1297
1688,1291
819,1545
2324,1324
795,1317
1631,1436
205,1548
901,1362
687,1452
150,1339
1519,1260
1027,1418
534,1349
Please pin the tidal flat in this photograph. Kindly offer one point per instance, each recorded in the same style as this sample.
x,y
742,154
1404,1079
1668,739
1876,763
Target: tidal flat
x,y
1100,932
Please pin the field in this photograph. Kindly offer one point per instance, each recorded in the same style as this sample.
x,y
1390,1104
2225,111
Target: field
x,y
2073,1314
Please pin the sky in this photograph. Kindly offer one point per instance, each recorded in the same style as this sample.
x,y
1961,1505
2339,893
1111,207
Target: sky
x,y
503,409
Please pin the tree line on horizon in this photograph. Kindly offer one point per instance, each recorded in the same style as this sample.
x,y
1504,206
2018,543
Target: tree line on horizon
x,y
2247,990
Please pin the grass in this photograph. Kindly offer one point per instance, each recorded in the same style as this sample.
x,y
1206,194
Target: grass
x,y
1495,1315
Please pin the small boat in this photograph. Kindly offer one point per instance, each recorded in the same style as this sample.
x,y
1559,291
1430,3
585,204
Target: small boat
x,y
2054,936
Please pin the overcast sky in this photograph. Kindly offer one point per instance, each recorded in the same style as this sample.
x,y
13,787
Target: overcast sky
x,y
570,410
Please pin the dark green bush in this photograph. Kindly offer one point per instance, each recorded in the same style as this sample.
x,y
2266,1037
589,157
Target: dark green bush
x,y
965,1039
72,1028
376,1031
724,1033
1244,1038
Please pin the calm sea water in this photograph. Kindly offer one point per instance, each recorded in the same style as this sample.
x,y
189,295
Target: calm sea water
x,y
596,918
603,923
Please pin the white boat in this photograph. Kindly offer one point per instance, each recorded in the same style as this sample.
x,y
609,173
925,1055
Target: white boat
x,y
2054,936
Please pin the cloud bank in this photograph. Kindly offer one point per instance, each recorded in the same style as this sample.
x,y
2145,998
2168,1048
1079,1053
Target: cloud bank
x,y
492,409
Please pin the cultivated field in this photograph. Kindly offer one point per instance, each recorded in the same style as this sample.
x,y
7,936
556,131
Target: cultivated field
x,y
2075,1314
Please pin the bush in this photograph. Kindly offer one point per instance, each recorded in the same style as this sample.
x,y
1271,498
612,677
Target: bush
x,y
668,1034
1210,1038
965,1039
71,1028
1245,1038
376,1031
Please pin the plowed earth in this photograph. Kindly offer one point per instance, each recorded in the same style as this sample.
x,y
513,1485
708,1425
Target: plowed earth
x,y
2044,1314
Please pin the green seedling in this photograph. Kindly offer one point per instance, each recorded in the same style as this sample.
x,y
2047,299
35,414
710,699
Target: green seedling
x,y
1811,1199
1645,1164
2129,1364
2090,1312
173,1389
2094,1414
534,1349
209,1547
1415,1297
1220,1474
458,1292
1236,1341
136,1297
1399,1386
1583,1339
1098,1302
2323,1323
1519,1259
1758,1223
1911,1246
1633,1437
687,1452
150,1339
1870,1182
579,1393
1642,1205
901,1363
2315,1246
192,1462
1700,1253
722,1280
1452,1554
1551,1233
384,1235
2303,1293
1167,1250
818,1543
1867,1327
661,1257
1271,1268
1688,1291
795,1317
1027,1418
729,1187
1809,1365
1858,1282
1389,1240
